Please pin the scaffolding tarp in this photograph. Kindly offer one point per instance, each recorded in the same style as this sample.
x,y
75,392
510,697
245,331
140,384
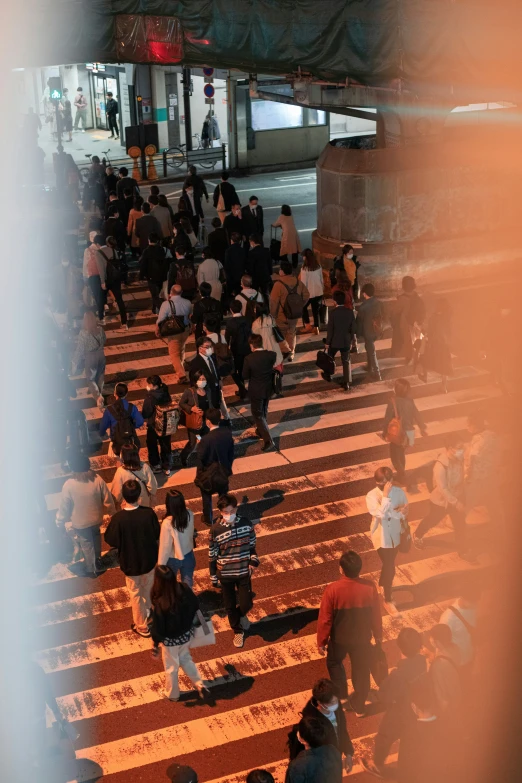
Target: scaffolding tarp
x,y
432,44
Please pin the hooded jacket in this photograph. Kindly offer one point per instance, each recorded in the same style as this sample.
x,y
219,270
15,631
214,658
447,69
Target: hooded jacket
x,y
154,397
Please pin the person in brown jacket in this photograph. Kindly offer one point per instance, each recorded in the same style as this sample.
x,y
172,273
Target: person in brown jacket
x,y
288,293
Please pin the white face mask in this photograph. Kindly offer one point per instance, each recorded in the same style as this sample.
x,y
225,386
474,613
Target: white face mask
x,y
350,255
202,383
148,387
330,710
228,517
209,351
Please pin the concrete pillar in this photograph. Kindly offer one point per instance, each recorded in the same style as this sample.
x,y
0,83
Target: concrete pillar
x,y
159,104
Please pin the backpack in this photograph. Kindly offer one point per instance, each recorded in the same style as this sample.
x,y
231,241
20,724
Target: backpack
x,y
224,359
294,302
186,277
166,419
416,311
250,307
124,430
113,271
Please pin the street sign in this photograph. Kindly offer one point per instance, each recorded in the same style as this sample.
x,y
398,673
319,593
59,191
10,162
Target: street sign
x,y
209,91
208,72
210,101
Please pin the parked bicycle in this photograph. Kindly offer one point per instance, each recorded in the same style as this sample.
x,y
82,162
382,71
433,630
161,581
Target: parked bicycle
x,y
105,161
178,154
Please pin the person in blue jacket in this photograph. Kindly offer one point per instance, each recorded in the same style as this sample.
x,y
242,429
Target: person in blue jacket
x,y
122,419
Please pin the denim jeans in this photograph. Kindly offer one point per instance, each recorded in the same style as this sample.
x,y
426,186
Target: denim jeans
x,y
90,542
185,567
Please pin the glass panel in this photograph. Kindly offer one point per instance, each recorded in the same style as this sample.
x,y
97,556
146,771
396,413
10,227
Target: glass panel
x,y
316,117
269,115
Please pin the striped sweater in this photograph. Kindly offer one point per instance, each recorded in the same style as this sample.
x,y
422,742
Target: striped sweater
x,y
232,549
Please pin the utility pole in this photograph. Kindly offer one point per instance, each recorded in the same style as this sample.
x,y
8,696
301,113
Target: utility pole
x,y
186,108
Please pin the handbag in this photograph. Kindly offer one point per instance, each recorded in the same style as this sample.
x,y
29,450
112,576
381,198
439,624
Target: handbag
x,y
212,479
323,313
394,431
194,419
278,334
203,633
325,362
378,663
174,324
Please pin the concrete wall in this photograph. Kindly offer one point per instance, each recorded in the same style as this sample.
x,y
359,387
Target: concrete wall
x,y
290,145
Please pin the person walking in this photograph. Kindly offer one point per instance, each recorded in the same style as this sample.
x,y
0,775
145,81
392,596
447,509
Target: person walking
x,y
325,707
482,469
114,277
112,110
234,262
407,320
176,545
113,227
84,502
253,215
444,670
224,196
320,761
94,272
132,468
402,408
259,264
159,447
211,271
80,103
193,205
369,327
311,275
174,609
347,264
126,183
180,308
198,183
154,267
290,244
258,371
235,224
205,361
182,273
394,697
67,121
237,333
349,615
447,496
250,298
339,337
122,419
287,301
204,307
265,325
436,353
134,532
89,356
388,507
232,559
342,283
461,618
146,225
134,214
217,240
216,448
194,403
163,216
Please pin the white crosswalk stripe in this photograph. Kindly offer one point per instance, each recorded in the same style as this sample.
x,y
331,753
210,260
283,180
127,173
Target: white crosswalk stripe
x,y
308,503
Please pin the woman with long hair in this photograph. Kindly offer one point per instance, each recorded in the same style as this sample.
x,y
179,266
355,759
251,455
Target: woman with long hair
x,y
134,215
159,447
174,608
182,211
133,468
90,356
164,202
290,244
181,241
402,407
176,544
264,325
194,403
311,275
342,283
84,501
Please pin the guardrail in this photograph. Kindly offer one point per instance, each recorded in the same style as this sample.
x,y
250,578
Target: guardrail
x,y
175,157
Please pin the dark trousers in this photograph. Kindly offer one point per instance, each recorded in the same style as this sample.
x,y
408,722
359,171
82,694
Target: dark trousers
x,y
359,655
371,356
115,289
191,444
398,458
157,443
315,301
345,359
113,124
237,597
390,730
387,557
237,375
206,498
98,294
155,289
435,515
259,410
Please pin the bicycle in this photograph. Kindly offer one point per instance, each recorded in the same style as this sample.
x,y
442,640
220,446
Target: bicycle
x,y
105,161
178,154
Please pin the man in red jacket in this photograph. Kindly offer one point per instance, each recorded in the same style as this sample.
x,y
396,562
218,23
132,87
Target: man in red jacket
x,y
349,615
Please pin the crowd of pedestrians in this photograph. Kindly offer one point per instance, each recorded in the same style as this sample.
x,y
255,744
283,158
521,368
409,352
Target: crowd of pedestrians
x,y
244,316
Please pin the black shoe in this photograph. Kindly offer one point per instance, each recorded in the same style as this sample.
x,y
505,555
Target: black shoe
x,y
268,446
372,768
345,386
241,393
326,377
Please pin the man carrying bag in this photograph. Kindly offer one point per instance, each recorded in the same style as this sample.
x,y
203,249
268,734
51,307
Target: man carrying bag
x,y
214,460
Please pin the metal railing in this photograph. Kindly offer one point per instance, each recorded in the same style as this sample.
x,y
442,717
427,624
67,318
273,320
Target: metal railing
x,y
175,157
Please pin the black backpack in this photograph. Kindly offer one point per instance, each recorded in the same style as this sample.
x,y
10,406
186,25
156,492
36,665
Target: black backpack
x,y
250,307
113,271
124,431
224,359
294,302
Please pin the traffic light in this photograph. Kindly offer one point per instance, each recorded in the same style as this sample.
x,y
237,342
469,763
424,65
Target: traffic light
x,y
55,88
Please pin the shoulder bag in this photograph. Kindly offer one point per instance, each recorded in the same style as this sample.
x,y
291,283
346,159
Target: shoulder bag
x,y
194,420
174,324
142,482
469,628
221,202
394,431
203,633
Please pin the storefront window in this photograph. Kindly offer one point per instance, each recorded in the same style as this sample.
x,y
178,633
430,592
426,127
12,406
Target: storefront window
x,y
269,115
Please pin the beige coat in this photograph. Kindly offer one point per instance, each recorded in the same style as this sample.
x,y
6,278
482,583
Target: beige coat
x,y
290,239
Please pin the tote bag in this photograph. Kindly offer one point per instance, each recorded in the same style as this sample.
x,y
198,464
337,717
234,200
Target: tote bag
x,y
204,634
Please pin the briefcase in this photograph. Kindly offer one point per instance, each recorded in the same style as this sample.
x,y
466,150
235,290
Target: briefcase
x,y
325,362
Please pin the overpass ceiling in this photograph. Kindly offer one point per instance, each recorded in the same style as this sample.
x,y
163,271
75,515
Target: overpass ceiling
x,y
439,48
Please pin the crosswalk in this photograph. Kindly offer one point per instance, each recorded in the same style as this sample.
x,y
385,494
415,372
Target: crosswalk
x,y
308,502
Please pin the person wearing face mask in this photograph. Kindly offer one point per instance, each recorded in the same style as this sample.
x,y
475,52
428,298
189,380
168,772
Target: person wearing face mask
x,y
232,559
193,206
319,762
205,362
388,506
194,402
347,262
157,394
234,223
325,707
447,496
253,214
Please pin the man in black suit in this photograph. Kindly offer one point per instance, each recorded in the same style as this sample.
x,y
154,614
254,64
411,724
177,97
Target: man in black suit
x,y
114,227
193,204
237,335
217,240
216,446
258,370
253,215
234,223
126,182
234,264
205,361
146,225
228,192
341,328
259,264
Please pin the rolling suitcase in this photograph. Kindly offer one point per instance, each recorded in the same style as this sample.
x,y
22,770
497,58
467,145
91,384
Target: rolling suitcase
x,y
275,245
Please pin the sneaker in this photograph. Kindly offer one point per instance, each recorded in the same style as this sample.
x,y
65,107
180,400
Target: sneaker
x,y
124,328
371,767
239,639
418,543
167,471
144,634
156,468
391,608
290,358
166,696
268,446
350,707
245,623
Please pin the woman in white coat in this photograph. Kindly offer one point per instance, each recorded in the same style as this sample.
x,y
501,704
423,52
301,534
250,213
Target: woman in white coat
x,y
311,276
176,544
210,271
264,325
